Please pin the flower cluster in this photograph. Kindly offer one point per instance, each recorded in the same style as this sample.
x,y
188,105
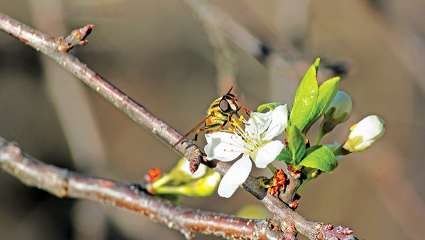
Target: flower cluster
x,y
273,133
262,138
254,143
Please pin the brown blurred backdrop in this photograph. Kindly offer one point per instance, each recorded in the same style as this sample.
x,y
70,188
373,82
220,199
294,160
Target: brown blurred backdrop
x,y
159,53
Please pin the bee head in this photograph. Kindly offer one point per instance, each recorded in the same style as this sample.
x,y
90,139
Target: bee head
x,y
228,103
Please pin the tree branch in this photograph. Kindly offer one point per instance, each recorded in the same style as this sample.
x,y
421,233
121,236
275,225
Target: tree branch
x,y
225,59
63,183
50,46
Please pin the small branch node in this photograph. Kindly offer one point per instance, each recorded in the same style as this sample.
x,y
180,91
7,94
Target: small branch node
x,y
195,157
77,37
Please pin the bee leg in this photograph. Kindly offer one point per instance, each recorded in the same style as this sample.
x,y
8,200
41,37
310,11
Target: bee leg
x,y
195,138
221,127
246,110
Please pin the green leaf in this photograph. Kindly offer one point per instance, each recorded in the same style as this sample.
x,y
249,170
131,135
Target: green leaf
x,y
327,92
267,106
296,144
285,156
322,158
304,106
312,149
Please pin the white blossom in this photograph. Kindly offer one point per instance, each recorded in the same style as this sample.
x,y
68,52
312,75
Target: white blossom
x,y
254,143
365,133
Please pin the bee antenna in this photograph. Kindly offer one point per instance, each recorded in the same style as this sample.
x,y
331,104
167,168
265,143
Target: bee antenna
x,y
231,88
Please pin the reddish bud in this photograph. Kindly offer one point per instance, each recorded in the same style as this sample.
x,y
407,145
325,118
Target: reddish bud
x,y
279,182
152,175
294,204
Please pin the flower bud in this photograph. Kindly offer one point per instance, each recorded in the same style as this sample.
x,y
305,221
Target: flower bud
x,y
364,133
201,187
181,172
339,109
204,186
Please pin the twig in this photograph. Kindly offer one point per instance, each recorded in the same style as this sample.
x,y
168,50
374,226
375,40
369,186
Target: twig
x,y
142,116
77,37
136,112
72,106
63,183
224,55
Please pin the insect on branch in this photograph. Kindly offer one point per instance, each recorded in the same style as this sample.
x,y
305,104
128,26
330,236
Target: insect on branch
x,y
49,175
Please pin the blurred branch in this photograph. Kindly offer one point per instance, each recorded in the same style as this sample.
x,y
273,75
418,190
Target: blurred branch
x,y
287,218
72,107
68,97
288,67
63,183
238,34
224,55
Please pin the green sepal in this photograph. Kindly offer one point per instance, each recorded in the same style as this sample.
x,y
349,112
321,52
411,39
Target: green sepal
x,y
267,107
285,156
201,187
177,175
321,158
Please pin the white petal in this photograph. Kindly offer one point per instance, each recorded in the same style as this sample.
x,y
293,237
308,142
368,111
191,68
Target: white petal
x,y
279,121
258,123
223,146
235,176
369,128
268,153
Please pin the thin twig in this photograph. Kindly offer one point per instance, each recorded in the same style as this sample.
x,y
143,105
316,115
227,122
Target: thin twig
x,y
225,59
143,117
75,115
63,183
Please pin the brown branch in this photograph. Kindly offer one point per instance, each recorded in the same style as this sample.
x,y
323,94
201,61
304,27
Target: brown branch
x,y
63,183
139,114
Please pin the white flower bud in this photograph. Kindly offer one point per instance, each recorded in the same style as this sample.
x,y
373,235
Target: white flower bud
x,y
364,133
340,108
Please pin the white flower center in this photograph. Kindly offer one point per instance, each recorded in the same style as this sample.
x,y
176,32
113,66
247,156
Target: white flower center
x,y
253,142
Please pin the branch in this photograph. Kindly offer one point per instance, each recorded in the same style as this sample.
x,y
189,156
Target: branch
x,y
53,47
63,183
76,117
287,218
225,59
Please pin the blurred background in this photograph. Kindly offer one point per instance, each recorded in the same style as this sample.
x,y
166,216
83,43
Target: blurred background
x,y
168,57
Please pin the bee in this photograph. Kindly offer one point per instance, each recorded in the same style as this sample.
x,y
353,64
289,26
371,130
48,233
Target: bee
x,y
219,114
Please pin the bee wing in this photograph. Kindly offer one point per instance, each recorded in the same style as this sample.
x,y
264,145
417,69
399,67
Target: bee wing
x,y
197,126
